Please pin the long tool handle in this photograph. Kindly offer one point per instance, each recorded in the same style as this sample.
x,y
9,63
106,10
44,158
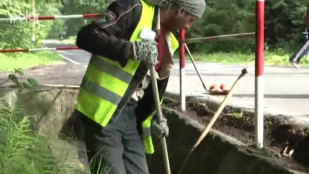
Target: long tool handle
x,y
215,38
160,117
198,73
157,99
214,118
220,109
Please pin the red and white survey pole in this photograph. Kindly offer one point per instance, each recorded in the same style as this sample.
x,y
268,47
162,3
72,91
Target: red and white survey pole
x,y
41,18
182,62
259,73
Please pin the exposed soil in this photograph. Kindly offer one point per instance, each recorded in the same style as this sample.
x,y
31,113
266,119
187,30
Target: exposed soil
x,y
284,139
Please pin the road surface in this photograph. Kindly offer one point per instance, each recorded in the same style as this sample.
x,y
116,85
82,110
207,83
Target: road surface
x,y
286,88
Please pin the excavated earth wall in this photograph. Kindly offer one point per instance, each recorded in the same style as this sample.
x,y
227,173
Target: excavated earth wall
x,y
217,154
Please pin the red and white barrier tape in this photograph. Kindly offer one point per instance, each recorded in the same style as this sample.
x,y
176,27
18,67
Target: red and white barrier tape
x,y
38,49
40,18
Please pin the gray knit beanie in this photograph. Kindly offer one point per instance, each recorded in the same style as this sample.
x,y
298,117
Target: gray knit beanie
x,y
194,7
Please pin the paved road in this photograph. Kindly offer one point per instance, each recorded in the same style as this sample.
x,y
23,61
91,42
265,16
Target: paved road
x,y
286,88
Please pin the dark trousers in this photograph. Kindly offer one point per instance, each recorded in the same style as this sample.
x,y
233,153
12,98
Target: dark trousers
x,y
117,147
296,57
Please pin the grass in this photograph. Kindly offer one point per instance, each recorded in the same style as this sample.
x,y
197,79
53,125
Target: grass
x,y
24,61
71,40
226,58
271,58
24,150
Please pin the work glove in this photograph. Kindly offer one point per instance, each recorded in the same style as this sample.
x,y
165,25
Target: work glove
x,y
146,51
160,129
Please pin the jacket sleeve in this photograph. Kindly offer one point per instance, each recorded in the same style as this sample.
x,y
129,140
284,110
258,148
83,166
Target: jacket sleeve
x,y
146,105
109,35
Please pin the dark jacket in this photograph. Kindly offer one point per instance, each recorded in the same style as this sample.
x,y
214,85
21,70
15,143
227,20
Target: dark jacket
x,y
109,36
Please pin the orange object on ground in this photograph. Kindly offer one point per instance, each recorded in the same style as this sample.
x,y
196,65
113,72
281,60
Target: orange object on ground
x,y
213,86
215,90
222,86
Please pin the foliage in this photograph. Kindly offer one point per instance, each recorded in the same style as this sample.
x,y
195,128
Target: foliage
x,y
58,30
21,33
285,22
23,150
71,40
11,61
238,115
225,17
30,83
80,7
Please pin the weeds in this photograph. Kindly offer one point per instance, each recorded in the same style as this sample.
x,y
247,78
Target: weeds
x,y
23,150
238,115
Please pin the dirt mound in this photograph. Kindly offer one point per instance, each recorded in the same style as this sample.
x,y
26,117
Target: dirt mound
x,y
285,139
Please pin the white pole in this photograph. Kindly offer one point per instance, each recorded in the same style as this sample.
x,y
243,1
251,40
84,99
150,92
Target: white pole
x,y
69,17
33,22
41,49
182,61
259,74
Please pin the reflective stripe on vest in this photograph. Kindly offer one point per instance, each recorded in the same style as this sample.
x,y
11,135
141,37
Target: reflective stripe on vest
x,y
147,140
106,82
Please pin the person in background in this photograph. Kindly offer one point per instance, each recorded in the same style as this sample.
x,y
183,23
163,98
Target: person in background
x,y
304,51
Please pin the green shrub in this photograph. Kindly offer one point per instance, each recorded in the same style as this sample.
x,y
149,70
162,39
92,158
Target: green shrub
x,y
23,150
20,33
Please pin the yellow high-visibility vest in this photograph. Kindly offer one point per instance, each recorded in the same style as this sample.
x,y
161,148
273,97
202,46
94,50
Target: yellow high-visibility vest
x,y
105,81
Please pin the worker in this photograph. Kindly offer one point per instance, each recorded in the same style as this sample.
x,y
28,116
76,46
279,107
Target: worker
x,y
115,101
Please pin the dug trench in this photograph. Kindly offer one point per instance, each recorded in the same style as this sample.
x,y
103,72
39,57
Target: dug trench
x,y
283,135
226,150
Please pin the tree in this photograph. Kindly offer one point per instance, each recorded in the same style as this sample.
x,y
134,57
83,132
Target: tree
x,y
81,7
284,23
225,17
19,33
285,20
